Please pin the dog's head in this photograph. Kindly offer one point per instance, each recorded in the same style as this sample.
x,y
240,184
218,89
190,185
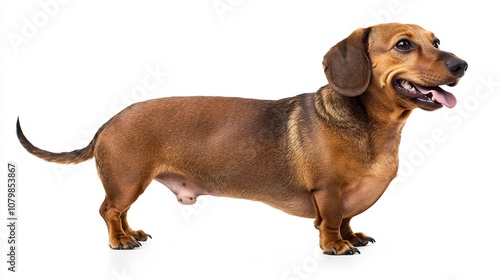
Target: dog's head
x,y
398,64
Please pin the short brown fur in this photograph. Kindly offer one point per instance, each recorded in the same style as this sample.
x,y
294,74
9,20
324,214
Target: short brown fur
x,y
327,155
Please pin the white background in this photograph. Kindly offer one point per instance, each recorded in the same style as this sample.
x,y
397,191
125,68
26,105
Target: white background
x,y
82,61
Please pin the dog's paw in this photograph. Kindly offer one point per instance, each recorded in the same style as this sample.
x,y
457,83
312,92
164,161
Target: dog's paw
x,y
359,239
139,235
124,243
342,247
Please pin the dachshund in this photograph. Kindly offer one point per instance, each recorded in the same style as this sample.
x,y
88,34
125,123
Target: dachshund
x,y
327,155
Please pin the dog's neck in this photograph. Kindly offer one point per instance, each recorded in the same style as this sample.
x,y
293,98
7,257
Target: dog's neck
x,y
352,112
343,112
383,111
363,117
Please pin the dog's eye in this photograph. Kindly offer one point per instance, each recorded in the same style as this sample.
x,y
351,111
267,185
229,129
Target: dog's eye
x,y
403,45
436,43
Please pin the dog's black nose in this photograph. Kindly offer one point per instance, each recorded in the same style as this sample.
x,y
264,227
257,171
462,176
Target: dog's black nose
x,y
456,66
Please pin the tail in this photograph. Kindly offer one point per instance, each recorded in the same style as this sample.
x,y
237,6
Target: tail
x,y
75,156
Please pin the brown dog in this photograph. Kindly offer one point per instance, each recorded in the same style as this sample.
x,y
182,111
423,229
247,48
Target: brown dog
x,y
327,155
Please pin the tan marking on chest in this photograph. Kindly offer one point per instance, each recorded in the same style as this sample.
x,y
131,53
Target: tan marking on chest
x,y
362,193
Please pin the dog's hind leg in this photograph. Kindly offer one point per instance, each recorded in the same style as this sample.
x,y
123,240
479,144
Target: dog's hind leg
x,y
118,239
121,192
139,235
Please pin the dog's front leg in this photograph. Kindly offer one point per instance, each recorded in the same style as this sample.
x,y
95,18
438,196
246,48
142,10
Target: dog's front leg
x,y
328,206
356,239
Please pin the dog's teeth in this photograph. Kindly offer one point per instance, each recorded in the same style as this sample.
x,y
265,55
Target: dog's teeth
x,y
433,98
407,85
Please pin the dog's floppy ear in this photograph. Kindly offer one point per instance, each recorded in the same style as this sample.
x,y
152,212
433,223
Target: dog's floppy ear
x,y
347,66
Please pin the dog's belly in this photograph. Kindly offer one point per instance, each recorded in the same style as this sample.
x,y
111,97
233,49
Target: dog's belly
x,y
298,205
186,192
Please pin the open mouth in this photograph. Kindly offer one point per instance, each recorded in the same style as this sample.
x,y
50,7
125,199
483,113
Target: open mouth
x,y
434,95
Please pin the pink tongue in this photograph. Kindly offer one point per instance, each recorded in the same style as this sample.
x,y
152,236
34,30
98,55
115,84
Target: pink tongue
x,y
441,95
